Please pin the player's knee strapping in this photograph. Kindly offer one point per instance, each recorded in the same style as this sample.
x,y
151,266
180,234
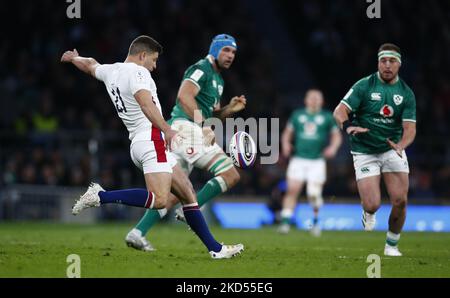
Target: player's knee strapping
x,y
314,194
221,165
222,183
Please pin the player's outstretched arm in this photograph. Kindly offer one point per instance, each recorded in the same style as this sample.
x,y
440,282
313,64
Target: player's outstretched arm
x,y
340,114
87,65
148,107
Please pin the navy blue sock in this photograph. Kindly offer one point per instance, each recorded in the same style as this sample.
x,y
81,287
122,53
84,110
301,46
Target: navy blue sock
x,y
130,197
196,221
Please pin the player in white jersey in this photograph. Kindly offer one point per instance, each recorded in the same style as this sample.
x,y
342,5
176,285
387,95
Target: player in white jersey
x,y
123,81
198,100
133,93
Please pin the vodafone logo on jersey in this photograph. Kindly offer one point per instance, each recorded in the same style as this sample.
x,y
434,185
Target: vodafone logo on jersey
x,y
387,111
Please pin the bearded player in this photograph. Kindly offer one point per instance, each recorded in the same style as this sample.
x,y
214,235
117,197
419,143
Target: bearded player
x,y
384,125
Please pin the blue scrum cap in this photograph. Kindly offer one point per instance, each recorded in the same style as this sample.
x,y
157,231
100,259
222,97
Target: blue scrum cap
x,y
220,41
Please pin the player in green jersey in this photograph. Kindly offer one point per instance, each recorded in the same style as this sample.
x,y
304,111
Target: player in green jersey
x,y
198,100
316,138
384,125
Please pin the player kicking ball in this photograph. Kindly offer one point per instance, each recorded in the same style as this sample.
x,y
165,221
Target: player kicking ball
x,y
198,100
316,138
384,125
133,93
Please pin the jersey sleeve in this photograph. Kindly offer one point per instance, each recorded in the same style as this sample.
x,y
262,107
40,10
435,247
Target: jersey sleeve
x,y
101,72
140,80
353,98
409,111
196,75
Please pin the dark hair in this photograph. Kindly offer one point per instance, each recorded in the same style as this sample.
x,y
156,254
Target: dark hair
x,y
389,47
144,43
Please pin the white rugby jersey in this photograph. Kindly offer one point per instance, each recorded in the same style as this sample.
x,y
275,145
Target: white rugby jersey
x,y
122,81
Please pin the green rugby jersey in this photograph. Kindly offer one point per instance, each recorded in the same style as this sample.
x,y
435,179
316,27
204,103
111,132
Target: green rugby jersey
x,y
382,108
311,132
210,84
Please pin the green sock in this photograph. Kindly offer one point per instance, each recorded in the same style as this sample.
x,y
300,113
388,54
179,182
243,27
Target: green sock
x,y
148,220
212,189
286,220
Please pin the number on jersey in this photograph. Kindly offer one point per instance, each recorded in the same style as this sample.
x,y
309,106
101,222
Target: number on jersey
x,y
120,106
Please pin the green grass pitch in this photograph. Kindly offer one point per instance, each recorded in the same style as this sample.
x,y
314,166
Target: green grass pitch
x,y
40,250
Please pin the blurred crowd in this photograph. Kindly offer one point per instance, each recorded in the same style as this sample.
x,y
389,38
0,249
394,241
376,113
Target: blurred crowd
x,y
58,126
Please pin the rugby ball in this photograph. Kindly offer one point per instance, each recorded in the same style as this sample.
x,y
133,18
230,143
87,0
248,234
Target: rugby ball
x,y
242,150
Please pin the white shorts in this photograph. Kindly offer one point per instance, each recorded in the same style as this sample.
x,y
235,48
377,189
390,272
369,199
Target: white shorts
x,y
193,152
310,170
152,157
368,165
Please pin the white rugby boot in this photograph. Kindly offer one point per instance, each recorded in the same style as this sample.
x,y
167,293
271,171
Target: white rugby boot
x,y
89,199
368,221
284,228
134,239
179,215
392,251
227,251
316,231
